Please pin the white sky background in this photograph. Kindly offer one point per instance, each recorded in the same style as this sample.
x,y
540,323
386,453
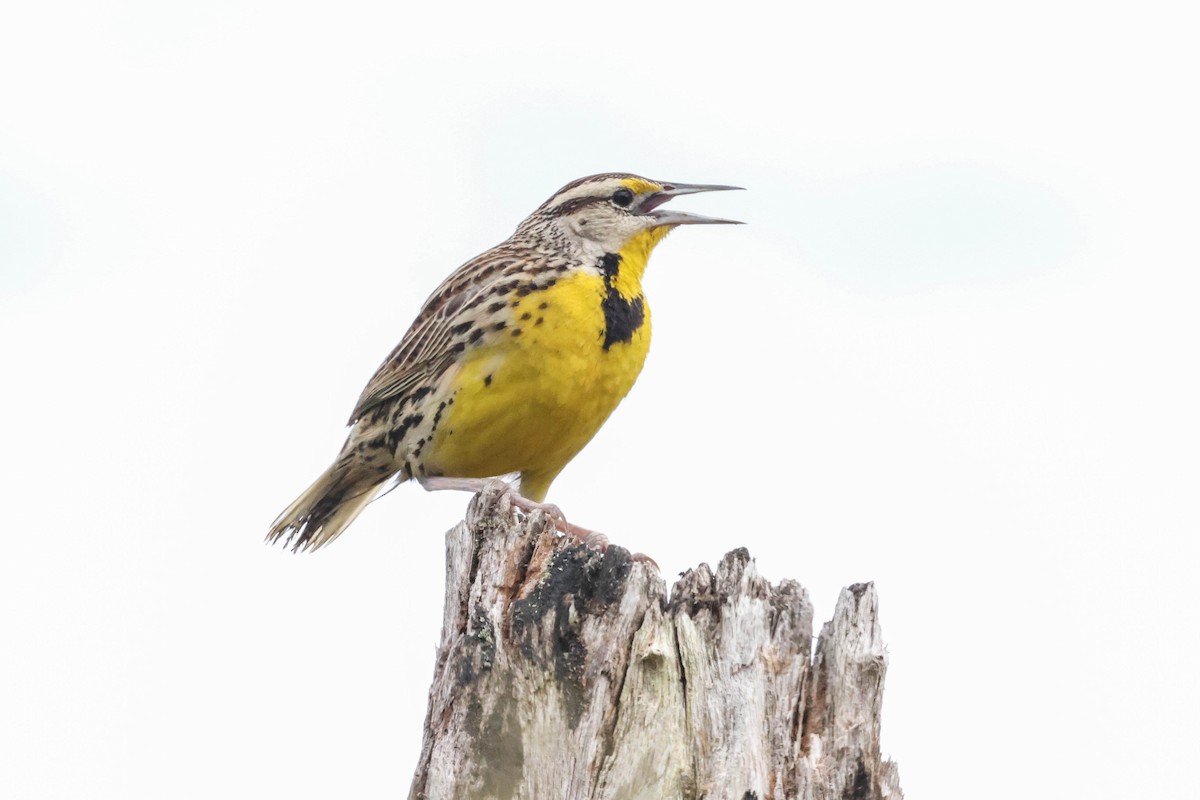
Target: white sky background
x,y
953,352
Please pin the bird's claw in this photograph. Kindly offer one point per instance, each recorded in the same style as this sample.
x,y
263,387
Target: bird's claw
x,y
596,541
642,558
529,506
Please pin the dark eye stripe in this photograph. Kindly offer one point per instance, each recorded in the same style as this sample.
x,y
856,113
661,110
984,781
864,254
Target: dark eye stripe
x,y
573,205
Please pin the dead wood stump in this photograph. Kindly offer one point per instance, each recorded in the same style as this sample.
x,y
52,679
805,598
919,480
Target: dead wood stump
x,y
567,673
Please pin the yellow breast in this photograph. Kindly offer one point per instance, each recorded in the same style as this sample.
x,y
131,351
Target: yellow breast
x,y
530,402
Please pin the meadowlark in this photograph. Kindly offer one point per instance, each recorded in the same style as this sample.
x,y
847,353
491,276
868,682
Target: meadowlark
x,y
513,363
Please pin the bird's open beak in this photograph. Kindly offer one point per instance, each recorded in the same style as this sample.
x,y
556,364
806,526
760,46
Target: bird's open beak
x,y
670,190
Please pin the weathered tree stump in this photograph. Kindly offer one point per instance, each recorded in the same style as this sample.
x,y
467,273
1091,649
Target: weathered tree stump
x,y
566,673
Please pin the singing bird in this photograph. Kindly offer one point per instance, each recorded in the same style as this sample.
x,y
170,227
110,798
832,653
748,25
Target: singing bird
x,y
513,363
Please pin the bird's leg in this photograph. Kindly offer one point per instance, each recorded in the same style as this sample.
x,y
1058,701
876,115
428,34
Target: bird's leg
x,y
438,483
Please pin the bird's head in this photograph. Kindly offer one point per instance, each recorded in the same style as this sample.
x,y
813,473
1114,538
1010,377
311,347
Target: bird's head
x,y
613,209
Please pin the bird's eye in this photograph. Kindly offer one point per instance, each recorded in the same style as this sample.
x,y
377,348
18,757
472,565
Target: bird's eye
x,y
622,197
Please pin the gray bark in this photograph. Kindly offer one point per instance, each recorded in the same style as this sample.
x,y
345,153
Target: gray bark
x,y
565,673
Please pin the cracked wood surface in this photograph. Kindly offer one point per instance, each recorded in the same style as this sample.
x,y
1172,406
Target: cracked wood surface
x,y
567,673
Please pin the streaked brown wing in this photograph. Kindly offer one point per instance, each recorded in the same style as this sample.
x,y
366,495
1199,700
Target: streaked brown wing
x,y
416,361
436,337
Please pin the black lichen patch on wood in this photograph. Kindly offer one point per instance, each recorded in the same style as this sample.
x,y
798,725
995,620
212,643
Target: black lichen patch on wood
x,y
474,713
861,788
858,590
502,750
479,648
578,583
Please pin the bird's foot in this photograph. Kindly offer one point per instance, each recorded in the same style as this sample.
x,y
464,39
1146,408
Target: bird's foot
x,y
592,539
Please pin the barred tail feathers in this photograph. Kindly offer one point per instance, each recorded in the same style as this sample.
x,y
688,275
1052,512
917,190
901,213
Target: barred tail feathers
x,y
326,508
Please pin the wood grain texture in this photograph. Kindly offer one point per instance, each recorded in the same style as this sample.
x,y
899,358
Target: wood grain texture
x,y
568,673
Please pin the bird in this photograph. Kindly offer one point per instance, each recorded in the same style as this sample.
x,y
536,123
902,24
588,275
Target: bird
x,y
512,364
